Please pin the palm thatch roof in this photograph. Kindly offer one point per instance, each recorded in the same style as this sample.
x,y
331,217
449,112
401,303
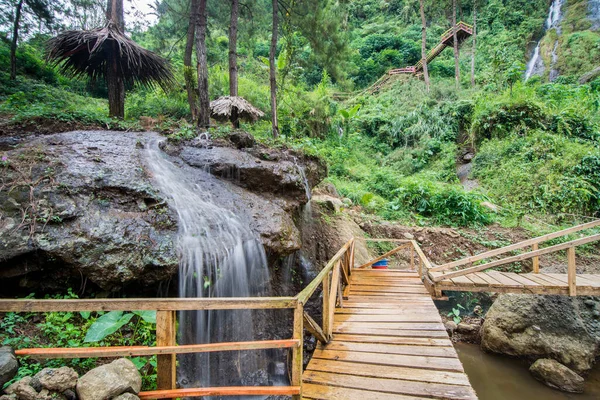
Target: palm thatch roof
x,y
86,53
224,109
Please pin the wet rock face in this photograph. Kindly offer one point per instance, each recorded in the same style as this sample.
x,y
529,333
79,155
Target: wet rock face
x,y
559,327
557,376
8,365
80,208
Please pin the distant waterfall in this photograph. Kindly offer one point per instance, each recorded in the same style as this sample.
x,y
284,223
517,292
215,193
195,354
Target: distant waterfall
x,y
536,66
219,256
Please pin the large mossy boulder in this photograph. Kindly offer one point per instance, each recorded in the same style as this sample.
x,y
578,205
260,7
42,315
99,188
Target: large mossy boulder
x,y
552,373
563,328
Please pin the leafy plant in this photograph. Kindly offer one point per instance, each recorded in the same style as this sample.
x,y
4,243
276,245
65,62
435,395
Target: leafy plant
x,y
455,313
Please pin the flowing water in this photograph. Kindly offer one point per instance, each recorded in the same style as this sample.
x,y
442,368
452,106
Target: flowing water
x,y
536,66
496,377
219,256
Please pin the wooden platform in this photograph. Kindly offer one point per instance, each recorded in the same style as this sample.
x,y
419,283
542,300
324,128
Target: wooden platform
x,y
510,282
388,343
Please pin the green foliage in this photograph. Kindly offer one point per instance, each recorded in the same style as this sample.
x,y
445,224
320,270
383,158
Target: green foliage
x,y
447,204
455,314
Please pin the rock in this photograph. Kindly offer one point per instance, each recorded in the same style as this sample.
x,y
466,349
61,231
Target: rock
x,y
22,389
450,326
327,188
589,76
530,326
126,396
242,139
70,394
347,202
104,221
8,365
36,384
490,206
57,379
109,380
330,203
557,376
468,157
467,329
8,397
408,236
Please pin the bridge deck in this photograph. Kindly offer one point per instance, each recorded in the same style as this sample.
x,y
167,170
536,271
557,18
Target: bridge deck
x,y
510,282
388,343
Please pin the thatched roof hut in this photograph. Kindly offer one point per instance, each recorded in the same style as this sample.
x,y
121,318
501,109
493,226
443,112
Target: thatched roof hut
x,y
87,53
234,108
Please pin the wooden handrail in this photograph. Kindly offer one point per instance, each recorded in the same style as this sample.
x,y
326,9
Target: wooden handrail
x,y
389,253
308,291
516,246
167,304
133,351
221,391
520,257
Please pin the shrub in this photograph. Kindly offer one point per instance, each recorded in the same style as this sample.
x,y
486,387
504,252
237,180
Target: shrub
x,y
446,204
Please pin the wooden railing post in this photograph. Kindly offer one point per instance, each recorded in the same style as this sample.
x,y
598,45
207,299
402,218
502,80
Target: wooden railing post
x,y
326,293
572,272
297,358
412,257
165,336
536,260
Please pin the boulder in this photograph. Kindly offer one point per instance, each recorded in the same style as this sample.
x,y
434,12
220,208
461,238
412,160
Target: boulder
x,y
57,379
450,327
8,397
467,329
328,202
22,389
109,380
557,376
8,365
530,326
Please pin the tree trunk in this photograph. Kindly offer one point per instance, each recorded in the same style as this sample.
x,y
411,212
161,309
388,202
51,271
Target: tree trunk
x,y
188,71
272,71
114,74
233,28
204,103
456,54
473,53
15,38
424,44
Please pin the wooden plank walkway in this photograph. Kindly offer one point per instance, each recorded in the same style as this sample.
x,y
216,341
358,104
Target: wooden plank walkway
x,y
388,343
529,283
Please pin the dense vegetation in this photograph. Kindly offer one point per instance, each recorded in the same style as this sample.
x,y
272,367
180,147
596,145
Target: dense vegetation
x,y
393,151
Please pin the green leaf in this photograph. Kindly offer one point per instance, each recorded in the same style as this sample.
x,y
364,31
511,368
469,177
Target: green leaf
x,y
106,325
85,314
148,316
344,114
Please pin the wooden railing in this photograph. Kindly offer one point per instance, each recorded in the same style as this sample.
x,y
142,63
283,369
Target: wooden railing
x,y
459,26
332,278
534,254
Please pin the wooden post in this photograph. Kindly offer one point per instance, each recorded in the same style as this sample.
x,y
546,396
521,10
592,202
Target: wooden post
x,y
297,351
536,260
326,322
165,336
412,257
572,272
335,279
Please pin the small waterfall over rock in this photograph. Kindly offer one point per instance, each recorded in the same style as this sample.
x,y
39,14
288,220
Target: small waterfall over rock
x,y
219,256
536,66
594,14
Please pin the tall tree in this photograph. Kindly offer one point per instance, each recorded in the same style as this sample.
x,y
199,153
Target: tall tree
x,y
114,73
203,103
188,71
41,10
456,54
424,43
273,70
473,53
233,28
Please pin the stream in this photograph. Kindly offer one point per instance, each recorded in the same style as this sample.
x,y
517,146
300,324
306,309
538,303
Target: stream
x,y
496,377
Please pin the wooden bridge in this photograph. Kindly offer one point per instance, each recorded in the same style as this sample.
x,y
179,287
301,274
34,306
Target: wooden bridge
x,y
463,32
475,274
380,335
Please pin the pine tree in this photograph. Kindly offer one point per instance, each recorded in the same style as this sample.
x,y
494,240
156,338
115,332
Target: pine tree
x,y
272,70
201,55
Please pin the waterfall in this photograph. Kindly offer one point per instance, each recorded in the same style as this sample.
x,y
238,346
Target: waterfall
x,y
535,66
219,256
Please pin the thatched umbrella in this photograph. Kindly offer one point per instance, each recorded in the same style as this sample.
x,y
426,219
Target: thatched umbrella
x,y
107,53
234,108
